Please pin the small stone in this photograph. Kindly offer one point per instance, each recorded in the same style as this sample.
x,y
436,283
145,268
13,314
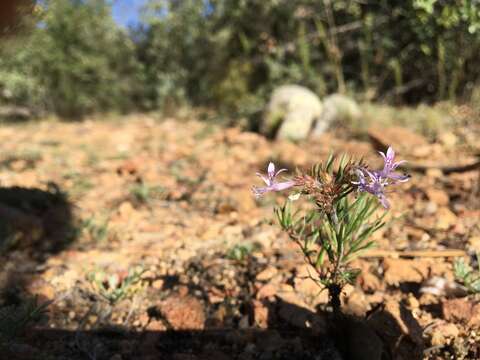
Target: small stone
x,y
266,274
126,209
183,290
183,312
155,325
444,333
412,302
307,287
216,296
158,284
445,218
434,173
438,196
369,282
92,319
144,319
430,208
357,304
474,243
266,291
260,314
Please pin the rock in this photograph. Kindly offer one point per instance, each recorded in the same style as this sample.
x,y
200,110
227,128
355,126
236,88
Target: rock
x,y
402,270
260,314
357,304
401,139
307,283
368,282
155,325
183,312
462,310
434,173
158,284
309,287
44,290
474,243
443,333
292,110
266,291
339,110
445,218
412,302
437,196
266,274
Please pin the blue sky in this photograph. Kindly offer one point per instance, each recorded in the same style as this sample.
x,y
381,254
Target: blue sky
x,y
126,12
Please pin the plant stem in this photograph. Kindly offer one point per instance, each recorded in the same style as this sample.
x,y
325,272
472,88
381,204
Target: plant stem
x,y
334,291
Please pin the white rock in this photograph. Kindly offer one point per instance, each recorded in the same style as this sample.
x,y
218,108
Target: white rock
x,y
337,110
292,110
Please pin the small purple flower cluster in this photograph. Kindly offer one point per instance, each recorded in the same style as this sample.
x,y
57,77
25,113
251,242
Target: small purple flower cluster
x,y
272,184
375,182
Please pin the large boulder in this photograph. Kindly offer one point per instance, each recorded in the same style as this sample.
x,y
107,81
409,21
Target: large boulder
x,y
291,113
338,109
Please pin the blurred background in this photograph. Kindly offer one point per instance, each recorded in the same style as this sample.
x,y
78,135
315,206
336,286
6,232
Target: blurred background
x,y
131,132
72,58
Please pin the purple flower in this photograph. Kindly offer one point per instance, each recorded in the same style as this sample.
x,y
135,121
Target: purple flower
x,y
370,182
390,166
269,180
374,182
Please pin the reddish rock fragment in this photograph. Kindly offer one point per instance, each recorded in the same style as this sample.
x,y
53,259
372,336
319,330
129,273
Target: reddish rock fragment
x,y
183,312
462,310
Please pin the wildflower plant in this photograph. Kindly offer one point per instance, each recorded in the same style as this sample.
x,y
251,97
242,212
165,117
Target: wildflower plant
x,y
113,287
467,275
345,195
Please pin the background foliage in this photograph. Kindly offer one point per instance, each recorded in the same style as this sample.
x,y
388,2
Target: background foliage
x,y
72,59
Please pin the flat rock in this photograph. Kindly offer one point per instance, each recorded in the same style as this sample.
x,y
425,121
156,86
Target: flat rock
x,y
403,270
462,310
401,139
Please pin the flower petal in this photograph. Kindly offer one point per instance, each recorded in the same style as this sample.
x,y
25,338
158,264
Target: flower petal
x,y
397,164
399,177
384,201
390,153
264,178
282,185
271,170
259,191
